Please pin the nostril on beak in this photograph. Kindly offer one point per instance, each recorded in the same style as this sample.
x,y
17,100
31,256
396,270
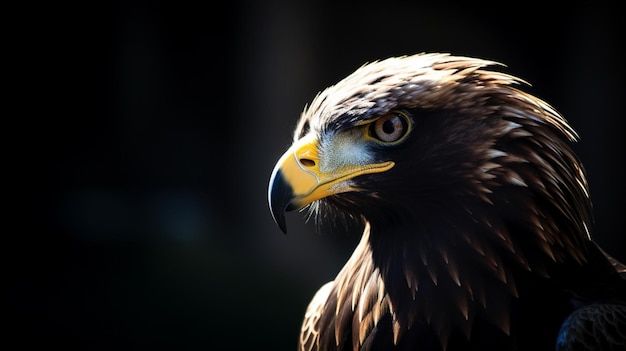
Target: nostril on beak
x,y
307,162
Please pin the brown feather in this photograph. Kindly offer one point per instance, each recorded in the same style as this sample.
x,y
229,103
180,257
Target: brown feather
x,y
519,165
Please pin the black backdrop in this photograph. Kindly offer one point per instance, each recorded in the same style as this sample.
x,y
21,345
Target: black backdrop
x,y
150,131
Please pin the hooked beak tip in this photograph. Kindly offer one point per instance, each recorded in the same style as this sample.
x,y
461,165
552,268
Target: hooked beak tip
x,y
279,196
279,219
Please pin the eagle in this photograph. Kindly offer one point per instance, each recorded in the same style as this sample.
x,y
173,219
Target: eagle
x,y
475,213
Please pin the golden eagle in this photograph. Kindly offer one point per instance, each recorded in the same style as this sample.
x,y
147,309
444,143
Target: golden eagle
x,y
475,211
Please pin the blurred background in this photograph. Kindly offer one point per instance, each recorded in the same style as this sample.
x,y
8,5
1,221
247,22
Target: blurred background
x,y
155,128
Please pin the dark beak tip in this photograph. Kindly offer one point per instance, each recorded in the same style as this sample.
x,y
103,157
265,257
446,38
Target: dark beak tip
x,y
283,228
279,198
279,219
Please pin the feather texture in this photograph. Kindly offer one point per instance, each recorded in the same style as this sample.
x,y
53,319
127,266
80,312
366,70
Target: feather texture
x,y
483,222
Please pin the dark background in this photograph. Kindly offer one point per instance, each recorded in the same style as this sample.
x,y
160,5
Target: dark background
x,y
150,130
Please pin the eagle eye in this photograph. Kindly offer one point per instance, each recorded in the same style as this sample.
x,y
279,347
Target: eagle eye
x,y
390,128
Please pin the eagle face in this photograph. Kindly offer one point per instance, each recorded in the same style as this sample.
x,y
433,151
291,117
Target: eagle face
x,y
468,192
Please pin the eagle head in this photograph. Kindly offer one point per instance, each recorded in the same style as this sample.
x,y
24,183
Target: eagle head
x,y
459,178
432,138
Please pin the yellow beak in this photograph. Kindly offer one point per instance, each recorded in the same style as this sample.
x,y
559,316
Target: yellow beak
x,y
301,177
